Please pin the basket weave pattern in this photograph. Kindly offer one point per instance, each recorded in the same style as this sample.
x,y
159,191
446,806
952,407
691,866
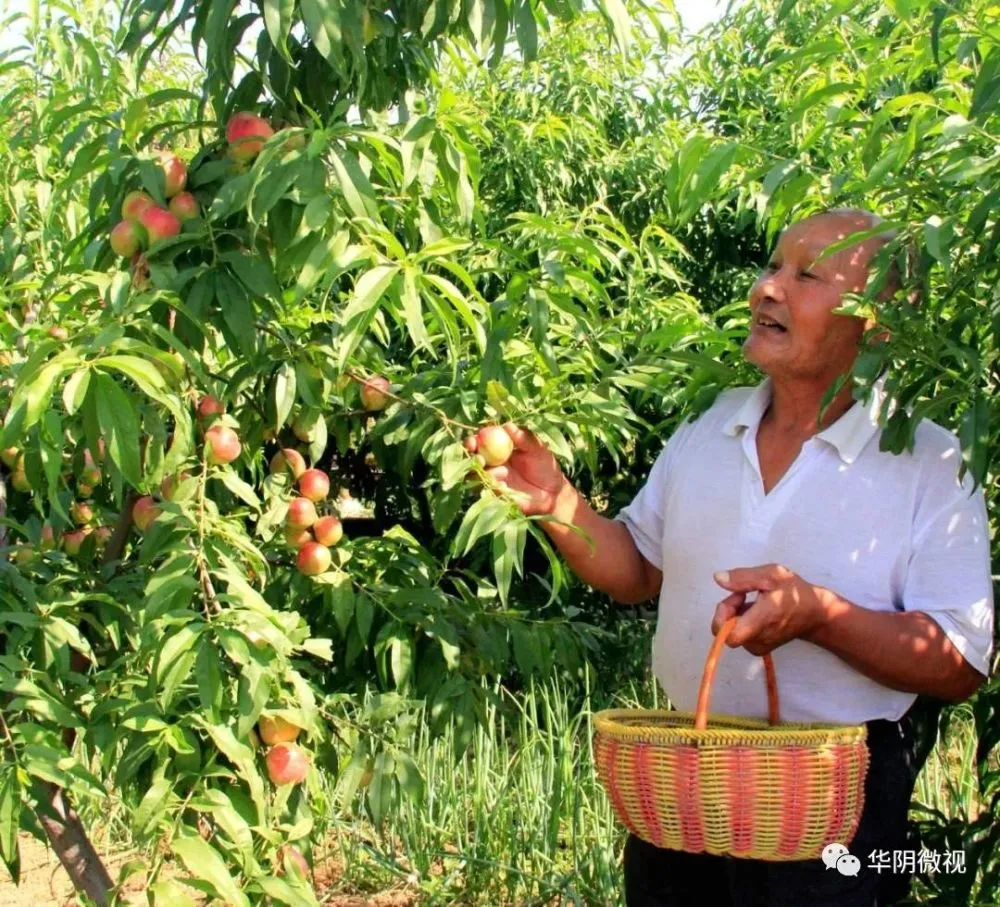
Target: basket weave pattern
x,y
742,787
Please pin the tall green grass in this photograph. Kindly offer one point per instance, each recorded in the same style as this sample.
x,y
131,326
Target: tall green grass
x,y
519,818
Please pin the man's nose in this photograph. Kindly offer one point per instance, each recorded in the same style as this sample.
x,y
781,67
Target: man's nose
x,y
770,288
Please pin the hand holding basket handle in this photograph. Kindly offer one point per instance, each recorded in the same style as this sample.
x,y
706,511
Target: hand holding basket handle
x,y
705,690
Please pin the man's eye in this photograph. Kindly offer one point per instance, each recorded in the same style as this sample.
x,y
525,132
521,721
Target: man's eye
x,y
771,267
808,275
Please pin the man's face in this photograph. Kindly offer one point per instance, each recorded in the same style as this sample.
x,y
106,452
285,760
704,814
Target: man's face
x,y
798,293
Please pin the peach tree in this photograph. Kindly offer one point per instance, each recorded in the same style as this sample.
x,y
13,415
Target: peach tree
x,y
235,302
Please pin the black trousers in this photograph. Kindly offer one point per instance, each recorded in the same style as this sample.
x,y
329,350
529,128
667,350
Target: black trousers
x,y
656,877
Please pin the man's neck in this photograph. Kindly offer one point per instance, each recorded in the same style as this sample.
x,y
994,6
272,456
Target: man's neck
x,y
795,408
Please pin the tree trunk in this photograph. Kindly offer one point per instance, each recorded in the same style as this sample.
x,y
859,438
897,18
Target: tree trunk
x,y
65,831
70,842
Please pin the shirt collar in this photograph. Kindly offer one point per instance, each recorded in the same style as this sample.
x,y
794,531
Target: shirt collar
x,y
850,434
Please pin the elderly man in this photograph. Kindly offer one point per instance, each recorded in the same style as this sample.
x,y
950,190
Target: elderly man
x,y
865,574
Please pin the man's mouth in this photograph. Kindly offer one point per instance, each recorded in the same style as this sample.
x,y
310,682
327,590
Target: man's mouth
x,y
769,324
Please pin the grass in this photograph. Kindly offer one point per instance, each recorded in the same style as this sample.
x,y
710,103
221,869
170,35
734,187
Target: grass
x,y
519,818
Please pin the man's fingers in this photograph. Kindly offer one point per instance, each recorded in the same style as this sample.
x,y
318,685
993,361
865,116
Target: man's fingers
x,y
748,579
728,607
748,625
523,439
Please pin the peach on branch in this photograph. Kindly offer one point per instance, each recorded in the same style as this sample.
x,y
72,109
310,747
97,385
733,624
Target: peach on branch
x,y
277,730
373,393
58,332
495,445
81,513
48,538
159,223
314,484
209,407
287,763
10,456
74,539
246,134
297,536
91,472
222,445
184,207
301,513
144,512
313,559
102,535
127,238
288,459
135,203
174,173
290,857
328,530
19,480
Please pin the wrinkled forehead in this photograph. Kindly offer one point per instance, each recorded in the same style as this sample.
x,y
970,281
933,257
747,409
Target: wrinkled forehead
x,y
808,239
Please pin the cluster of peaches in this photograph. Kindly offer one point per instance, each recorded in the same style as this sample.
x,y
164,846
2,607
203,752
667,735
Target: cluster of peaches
x,y
144,223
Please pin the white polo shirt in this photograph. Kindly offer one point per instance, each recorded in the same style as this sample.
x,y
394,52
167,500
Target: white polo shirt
x,y
885,531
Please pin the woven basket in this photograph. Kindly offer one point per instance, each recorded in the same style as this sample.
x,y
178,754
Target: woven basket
x,y
743,787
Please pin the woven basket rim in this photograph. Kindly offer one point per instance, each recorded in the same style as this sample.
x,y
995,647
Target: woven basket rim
x,y
669,726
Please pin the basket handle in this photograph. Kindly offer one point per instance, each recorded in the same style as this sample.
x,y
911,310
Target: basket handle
x,y
701,712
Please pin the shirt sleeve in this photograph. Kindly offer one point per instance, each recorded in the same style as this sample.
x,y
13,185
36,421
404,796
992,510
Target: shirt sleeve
x,y
643,517
948,575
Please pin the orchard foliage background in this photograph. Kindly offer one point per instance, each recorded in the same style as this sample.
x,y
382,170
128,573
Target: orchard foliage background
x,y
532,211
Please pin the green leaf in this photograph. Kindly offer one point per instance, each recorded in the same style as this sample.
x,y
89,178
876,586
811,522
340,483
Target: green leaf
x,y
278,18
369,289
237,313
284,393
255,273
401,656
358,192
204,863
141,371
974,436
208,671
119,425
526,29
411,782
10,819
241,756
340,598
170,894
364,614
75,390
483,518
285,893
938,235
412,312
238,487
986,94
621,23
228,817
322,21
153,804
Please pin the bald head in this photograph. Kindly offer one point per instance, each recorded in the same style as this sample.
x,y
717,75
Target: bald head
x,y
848,221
